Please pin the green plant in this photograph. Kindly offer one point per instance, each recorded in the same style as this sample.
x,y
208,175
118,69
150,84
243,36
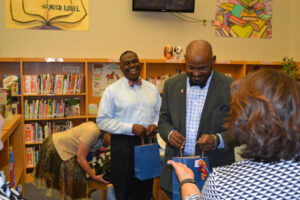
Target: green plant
x,y
290,67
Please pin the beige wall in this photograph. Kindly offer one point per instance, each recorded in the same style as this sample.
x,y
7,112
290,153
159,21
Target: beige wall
x,y
115,28
295,30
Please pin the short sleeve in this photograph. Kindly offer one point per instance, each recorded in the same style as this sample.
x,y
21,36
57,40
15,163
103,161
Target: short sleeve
x,y
90,134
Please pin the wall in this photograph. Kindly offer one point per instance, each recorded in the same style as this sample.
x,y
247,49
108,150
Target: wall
x,y
115,28
295,30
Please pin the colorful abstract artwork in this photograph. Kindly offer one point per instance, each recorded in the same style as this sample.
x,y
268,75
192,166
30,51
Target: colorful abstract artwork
x,y
244,18
47,14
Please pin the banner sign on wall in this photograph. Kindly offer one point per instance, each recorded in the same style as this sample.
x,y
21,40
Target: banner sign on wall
x,y
244,18
47,14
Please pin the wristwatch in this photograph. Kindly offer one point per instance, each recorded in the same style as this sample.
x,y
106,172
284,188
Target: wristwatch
x,y
217,140
188,180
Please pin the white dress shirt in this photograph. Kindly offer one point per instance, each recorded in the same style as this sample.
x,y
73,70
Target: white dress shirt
x,y
122,106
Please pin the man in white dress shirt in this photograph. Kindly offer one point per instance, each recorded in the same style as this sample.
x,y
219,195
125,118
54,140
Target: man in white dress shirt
x,y
129,110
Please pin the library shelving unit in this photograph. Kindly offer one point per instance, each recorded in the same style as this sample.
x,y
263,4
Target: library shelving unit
x,y
36,66
12,137
50,66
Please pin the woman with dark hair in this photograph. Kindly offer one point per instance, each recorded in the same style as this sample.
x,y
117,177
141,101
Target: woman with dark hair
x,y
265,116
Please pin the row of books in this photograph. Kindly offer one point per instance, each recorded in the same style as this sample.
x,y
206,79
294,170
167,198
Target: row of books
x,y
37,131
51,108
32,155
53,83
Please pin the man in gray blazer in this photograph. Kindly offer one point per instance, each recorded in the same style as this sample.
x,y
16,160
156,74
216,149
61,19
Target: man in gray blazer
x,y
194,108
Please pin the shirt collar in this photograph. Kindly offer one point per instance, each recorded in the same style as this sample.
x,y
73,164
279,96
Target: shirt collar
x,y
207,84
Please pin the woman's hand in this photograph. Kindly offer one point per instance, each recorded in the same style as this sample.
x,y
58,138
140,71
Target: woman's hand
x,y
100,178
182,171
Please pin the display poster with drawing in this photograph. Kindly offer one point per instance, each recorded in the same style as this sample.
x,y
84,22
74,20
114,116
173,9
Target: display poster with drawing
x,y
47,15
244,18
104,74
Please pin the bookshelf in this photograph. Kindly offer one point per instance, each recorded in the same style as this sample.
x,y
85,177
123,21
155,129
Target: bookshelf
x,y
49,105
12,138
36,66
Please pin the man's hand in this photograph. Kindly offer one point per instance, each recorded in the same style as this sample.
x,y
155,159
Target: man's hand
x,y
151,131
207,142
139,130
176,139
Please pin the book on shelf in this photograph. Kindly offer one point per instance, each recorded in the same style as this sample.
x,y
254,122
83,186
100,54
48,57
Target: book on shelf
x,y
27,84
59,78
3,101
72,107
92,109
33,85
29,156
11,82
28,128
12,167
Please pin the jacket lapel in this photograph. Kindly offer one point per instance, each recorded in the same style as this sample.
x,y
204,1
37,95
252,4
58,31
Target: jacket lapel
x,y
212,94
181,101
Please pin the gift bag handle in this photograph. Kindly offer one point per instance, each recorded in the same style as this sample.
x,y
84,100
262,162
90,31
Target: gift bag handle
x,y
202,155
143,141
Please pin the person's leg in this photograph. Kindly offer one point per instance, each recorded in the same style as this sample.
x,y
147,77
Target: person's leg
x,y
142,189
122,169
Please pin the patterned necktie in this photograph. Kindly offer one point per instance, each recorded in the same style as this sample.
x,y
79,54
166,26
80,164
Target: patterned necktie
x,y
137,82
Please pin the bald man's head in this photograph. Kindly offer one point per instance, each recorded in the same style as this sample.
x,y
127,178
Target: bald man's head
x,y
199,47
199,61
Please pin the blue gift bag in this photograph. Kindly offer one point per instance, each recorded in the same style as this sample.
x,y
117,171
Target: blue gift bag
x,y
200,167
147,162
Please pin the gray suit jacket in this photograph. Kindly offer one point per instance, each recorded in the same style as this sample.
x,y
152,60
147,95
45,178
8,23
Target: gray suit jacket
x,y
173,116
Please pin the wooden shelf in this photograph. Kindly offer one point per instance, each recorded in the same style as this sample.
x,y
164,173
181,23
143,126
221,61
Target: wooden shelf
x,y
60,118
32,143
53,95
10,126
12,138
